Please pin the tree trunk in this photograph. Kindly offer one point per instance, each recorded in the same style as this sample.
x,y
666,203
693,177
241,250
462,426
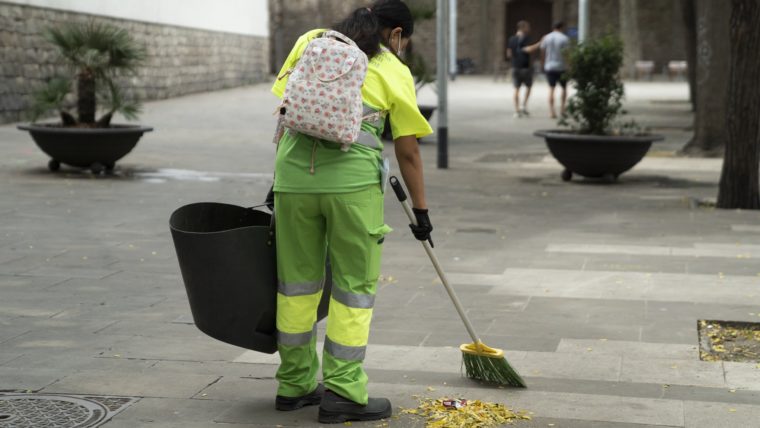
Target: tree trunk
x,y
690,24
713,60
86,98
629,31
740,180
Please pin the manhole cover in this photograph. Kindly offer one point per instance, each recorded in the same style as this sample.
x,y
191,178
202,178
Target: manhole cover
x,y
729,341
57,411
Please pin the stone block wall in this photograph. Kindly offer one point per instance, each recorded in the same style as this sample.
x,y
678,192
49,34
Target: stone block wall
x,y
657,33
180,60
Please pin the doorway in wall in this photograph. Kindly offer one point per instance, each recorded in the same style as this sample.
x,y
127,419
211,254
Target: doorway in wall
x,y
537,12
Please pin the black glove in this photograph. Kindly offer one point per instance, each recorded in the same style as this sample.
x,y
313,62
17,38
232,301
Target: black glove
x,y
424,227
269,201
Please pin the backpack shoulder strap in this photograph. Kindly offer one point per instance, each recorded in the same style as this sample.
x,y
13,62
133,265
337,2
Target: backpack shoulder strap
x,y
340,36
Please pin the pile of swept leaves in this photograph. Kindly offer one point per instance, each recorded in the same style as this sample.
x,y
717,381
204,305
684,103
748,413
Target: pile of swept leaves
x,y
729,341
473,414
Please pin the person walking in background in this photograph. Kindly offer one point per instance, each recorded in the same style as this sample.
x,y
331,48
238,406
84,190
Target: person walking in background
x,y
522,69
553,63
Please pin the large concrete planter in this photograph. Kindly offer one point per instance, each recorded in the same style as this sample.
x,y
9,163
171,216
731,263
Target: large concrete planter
x,y
95,148
596,156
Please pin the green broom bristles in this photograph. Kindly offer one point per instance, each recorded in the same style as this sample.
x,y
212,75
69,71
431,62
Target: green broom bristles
x,y
489,365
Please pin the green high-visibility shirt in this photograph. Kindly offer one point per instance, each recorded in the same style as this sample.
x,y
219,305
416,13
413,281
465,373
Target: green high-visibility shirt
x,y
389,87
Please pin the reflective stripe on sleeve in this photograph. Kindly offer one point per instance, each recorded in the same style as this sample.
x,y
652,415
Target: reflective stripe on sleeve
x,y
296,339
299,288
359,301
353,353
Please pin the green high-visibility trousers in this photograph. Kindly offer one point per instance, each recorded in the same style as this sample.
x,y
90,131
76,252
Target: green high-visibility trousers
x,y
350,228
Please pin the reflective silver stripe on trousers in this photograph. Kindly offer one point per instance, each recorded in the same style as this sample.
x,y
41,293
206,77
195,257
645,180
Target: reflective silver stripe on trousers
x,y
299,288
296,339
358,301
353,353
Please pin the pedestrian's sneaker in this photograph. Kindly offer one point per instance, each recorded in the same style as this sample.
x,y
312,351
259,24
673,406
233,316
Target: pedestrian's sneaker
x,y
294,403
525,112
517,115
336,409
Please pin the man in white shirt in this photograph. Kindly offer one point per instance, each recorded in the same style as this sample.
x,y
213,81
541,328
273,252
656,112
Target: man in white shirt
x,y
553,62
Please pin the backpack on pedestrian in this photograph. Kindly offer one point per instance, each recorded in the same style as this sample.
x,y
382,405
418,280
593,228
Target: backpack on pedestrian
x,y
323,95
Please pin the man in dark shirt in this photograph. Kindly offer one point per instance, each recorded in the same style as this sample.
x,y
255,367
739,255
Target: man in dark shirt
x,y
522,69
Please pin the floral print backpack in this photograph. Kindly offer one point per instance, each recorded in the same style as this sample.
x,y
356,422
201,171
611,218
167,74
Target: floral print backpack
x,y
323,97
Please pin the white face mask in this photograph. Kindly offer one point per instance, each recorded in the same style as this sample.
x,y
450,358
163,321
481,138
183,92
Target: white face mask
x,y
399,52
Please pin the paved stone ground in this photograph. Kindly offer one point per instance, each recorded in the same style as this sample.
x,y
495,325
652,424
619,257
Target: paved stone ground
x,y
594,289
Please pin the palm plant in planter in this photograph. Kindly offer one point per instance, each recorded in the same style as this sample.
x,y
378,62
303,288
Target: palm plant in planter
x,y
597,144
97,55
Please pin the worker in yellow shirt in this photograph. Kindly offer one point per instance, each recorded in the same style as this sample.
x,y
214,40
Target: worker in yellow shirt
x,y
330,202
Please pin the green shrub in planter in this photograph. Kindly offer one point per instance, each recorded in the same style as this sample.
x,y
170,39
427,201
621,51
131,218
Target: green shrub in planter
x,y
594,70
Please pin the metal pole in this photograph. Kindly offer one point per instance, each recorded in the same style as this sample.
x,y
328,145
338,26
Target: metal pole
x,y
453,71
582,20
442,75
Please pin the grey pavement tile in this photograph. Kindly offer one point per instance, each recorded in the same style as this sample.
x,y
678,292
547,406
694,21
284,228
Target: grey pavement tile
x,y
11,282
96,258
219,368
396,337
169,412
76,272
474,298
742,375
259,409
594,310
557,327
673,372
24,264
720,415
240,389
13,379
691,312
7,356
566,366
132,383
575,423
629,350
635,264
29,311
739,267
189,348
9,332
149,328
715,395
412,322
670,332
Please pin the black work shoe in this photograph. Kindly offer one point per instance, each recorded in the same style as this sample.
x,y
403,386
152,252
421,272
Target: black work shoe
x,y
294,403
336,409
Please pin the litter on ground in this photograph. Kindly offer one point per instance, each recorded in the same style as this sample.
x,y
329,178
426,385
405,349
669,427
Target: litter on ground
x,y
461,413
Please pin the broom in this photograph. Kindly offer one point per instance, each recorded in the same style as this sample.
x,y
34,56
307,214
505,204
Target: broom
x,y
481,362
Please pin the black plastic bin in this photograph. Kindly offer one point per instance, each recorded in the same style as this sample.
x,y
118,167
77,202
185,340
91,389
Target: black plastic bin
x,y
229,268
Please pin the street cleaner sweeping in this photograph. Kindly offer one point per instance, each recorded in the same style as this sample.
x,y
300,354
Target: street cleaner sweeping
x,y
337,87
